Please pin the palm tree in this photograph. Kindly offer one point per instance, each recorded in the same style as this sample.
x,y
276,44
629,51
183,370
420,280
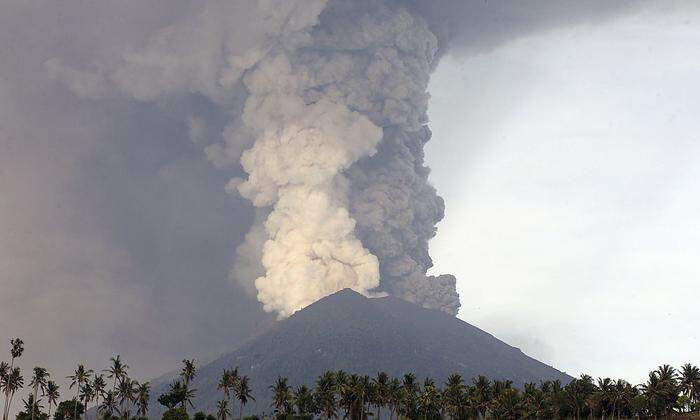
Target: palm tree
x,y
654,393
243,394
508,404
222,411
178,394
37,383
668,379
281,398
341,377
578,392
325,395
483,393
363,388
394,396
408,400
410,384
125,393
354,394
189,371
534,402
30,404
98,388
16,350
667,373
555,397
604,395
690,382
12,382
233,383
52,394
381,391
117,370
349,396
623,394
454,394
143,395
109,403
303,400
87,394
227,383
78,377
4,372
429,401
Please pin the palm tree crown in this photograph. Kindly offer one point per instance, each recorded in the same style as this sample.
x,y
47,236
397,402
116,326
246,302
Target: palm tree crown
x,y
189,371
117,370
52,394
243,393
38,382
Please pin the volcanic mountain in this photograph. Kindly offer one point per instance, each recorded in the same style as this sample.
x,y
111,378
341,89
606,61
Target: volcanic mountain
x,y
361,335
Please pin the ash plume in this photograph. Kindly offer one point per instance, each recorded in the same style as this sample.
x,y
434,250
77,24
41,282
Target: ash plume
x,y
339,127
328,111
395,207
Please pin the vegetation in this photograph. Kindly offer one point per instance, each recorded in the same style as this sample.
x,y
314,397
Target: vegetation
x,y
88,388
68,409
32,409
667,392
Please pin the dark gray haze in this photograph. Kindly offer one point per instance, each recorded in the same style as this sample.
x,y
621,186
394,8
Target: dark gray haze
x,y
116,233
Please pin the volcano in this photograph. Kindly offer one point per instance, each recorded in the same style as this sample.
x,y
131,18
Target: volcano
x,y
357,334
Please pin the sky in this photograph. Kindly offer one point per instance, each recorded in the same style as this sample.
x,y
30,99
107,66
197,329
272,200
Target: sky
x,y
564,145
568,161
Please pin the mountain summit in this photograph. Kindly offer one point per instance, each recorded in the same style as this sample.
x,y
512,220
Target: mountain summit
x,y
361,335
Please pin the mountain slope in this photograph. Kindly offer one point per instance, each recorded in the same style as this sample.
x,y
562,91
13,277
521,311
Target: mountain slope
x,y
351,332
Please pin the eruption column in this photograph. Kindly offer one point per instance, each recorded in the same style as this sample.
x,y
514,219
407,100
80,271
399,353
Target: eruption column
x,y
295,168
316,111
326,104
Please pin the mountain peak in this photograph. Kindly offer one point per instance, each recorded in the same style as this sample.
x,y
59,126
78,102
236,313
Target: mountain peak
x,y
346,294
348,331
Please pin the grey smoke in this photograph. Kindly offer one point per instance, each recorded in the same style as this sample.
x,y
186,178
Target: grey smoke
x,y
110,202
302,58
372,58
395,207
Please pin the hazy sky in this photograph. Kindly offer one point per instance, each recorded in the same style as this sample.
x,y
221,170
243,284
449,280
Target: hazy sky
x,y
566,153
569,166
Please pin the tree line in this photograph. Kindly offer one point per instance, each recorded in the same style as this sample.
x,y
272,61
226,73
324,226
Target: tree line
x,y
113,395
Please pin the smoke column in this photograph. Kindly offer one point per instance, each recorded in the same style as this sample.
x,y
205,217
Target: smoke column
x,y
318,111
327,114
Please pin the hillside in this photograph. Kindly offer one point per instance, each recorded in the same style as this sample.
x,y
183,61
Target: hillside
x,y
351,332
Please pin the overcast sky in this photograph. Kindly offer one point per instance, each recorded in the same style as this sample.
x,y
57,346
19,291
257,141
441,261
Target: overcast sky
x,y
569,166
